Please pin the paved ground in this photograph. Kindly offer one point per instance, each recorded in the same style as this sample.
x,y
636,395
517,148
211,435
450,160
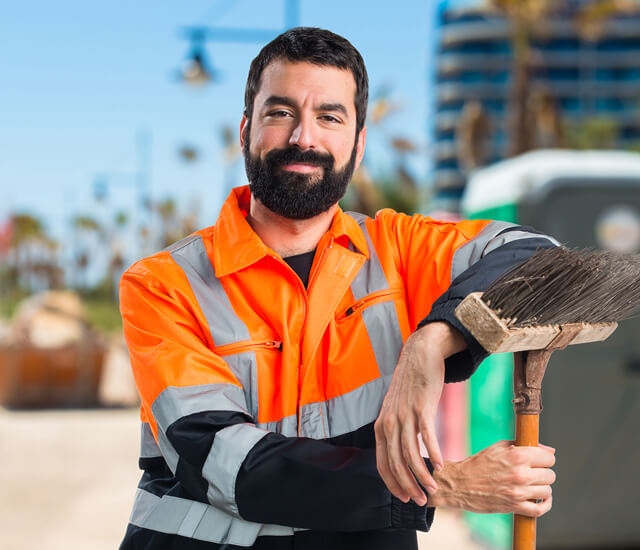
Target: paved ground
x,y
67,482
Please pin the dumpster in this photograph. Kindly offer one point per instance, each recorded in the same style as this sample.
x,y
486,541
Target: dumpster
x,y
591,393
50,357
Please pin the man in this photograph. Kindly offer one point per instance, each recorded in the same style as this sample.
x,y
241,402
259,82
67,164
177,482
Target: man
x,y
267,346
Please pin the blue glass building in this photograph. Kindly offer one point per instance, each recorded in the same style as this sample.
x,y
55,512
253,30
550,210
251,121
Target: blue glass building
x,y
583,78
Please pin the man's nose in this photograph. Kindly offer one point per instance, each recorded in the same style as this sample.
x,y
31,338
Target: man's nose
x,y
302,135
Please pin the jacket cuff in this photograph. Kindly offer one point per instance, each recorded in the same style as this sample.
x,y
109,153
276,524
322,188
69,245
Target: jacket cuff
x,y
411,516
462,365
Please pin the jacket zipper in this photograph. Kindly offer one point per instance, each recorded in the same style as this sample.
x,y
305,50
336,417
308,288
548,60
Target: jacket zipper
x,y
320,262
248,345
370,300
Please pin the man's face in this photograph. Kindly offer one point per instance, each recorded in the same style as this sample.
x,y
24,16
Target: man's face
x,y
300,146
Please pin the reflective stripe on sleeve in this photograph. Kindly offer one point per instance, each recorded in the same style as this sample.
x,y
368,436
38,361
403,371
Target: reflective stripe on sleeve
x,y
175,402
492,236
148,446
196,520
515,235
229,449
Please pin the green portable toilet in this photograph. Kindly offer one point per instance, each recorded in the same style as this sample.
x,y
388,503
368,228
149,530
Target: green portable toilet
x,y
591,393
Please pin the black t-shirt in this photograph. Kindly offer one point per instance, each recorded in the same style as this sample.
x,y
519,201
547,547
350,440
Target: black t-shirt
x,y
301,264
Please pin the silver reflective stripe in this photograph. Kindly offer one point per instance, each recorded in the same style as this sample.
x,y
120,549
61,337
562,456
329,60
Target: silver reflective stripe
x,y
381,320
287,426
244,367
230,448
349,412
148,446
490,238
170,455
385,336
196,520
314,422
176,402
225,326
469,253
371,277
345,413
511,236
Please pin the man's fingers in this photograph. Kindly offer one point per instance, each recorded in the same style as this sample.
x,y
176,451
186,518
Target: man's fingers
x,y
399,468
538,492
543,476
433,448
411,453
385,471
534,509
541,457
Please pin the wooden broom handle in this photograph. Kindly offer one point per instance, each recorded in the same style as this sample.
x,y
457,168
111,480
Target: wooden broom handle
x,y
524,528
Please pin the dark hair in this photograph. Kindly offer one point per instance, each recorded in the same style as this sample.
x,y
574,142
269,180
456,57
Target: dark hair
x,y
311,45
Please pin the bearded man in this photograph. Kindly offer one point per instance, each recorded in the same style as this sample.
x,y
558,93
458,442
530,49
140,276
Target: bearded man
x,y
288,357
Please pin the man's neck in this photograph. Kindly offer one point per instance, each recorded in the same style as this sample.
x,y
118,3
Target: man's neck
x,y
285,236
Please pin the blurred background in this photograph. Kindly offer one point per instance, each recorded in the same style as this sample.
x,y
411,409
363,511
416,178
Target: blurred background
x,y
119,135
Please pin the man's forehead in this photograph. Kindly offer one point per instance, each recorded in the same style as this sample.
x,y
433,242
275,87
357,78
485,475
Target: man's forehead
x,y
328,83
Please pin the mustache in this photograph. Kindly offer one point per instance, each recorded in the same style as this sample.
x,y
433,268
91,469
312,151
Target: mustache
x,y
292,155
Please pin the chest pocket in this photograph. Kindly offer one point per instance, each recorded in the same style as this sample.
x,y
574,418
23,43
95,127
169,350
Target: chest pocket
x,y
373,299
377,311
241,359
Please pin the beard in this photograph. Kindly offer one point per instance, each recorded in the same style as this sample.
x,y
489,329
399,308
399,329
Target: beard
x,y
295,195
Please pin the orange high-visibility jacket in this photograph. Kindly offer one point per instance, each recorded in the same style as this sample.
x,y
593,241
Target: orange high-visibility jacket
x,y
259,395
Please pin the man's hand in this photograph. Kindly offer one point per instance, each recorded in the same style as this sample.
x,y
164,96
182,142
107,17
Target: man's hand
x,y
502,478
409,409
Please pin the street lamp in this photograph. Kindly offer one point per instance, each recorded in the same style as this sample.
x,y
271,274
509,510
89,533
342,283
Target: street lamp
x,y
196,71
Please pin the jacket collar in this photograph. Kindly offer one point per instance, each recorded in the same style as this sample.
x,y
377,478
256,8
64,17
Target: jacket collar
x,y
236,245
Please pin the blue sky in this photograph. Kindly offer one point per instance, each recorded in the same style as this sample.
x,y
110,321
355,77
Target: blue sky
x,y
79,80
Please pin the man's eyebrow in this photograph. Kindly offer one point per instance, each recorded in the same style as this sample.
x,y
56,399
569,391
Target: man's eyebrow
x,y
279,100
334,107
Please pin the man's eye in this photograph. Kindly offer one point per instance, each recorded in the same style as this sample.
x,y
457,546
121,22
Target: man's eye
x,y
330,118
279,114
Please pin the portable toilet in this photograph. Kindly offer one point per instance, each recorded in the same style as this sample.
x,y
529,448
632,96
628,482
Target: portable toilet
x,y
591,393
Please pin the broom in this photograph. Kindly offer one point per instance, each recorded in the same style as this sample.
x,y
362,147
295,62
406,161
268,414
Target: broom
x,y
556,298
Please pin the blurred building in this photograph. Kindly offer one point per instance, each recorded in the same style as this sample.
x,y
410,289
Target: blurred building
x,y
573,76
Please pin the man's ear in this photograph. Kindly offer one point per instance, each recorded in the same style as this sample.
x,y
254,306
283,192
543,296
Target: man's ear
x,y
360,143
244,128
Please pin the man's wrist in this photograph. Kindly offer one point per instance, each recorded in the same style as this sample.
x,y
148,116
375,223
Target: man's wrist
x,y
446,494
440,336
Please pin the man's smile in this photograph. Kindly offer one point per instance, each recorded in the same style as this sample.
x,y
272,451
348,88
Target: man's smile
x,y
301,167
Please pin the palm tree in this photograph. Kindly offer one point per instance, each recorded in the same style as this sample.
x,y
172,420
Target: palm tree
x,y
528,111
87,230
523,16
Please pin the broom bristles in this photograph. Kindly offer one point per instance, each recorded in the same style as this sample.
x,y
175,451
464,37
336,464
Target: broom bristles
x,y
561,285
